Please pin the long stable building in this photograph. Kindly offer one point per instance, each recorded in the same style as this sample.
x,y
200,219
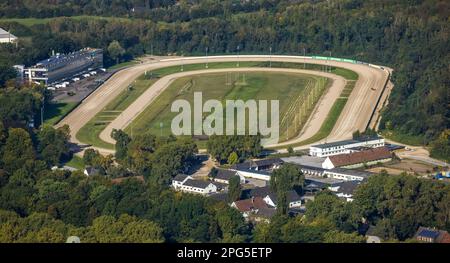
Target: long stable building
x,y
63,66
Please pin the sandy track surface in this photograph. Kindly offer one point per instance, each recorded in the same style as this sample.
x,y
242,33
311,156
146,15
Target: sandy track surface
x,y
140,104
356,113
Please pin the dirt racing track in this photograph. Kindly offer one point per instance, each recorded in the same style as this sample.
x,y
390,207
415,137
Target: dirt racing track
x,y
358,112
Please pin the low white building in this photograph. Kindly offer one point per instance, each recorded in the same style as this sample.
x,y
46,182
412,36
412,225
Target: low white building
x,y
347,174
7,37
260,175
293,199
346,146
91,171
179,180
186,183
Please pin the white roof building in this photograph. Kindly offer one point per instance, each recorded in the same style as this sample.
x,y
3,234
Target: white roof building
x,y
186,183
7,37
344,147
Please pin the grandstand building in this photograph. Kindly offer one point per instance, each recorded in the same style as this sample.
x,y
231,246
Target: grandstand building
x,y
63,66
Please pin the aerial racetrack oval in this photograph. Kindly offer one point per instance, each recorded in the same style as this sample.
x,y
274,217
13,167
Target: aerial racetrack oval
x,y
347,105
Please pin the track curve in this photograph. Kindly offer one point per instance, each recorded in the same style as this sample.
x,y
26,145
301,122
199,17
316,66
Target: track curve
x,y
355,115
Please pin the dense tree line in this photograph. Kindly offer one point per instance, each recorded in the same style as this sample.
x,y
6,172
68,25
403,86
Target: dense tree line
x,y
397,205
39,204
156,10
394,205
411,37
43,205
234,148
41,227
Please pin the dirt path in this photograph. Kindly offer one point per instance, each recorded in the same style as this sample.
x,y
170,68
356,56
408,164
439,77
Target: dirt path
x,y
356,114
418,153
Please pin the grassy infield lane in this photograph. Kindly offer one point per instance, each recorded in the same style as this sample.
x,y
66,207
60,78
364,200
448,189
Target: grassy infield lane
x,y
90,132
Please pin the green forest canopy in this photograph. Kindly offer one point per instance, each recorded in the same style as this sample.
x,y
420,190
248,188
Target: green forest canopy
x,y
409,36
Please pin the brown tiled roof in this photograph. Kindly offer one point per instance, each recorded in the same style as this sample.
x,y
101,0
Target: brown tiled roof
x,y
251,203
360,157
445,238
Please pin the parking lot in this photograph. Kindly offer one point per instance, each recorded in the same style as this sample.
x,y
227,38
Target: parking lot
x,y
79,87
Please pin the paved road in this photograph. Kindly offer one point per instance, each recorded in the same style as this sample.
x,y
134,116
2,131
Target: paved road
x,y
356,114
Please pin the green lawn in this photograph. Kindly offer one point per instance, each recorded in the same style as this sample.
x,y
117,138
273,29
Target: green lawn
x,y
327,126
54,112
76,162
288,88
348,89
90,132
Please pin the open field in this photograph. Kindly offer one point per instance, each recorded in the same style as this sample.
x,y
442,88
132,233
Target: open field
x,y
76,162
406,165
89,133
355,114
327,125
290,89
151,95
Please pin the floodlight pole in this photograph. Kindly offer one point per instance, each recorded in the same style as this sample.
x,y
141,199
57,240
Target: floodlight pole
x,y
329,58
270,57
304,58
182,68
206,66
237,63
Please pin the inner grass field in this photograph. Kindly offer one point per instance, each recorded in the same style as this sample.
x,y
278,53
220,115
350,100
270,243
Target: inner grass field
x,y
89,134
289,88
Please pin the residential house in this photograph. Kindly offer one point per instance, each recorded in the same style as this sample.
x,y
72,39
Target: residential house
x,y
179,180
90,171
432,235
345,189
7,37
198,187
294,200
186,183
254,209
